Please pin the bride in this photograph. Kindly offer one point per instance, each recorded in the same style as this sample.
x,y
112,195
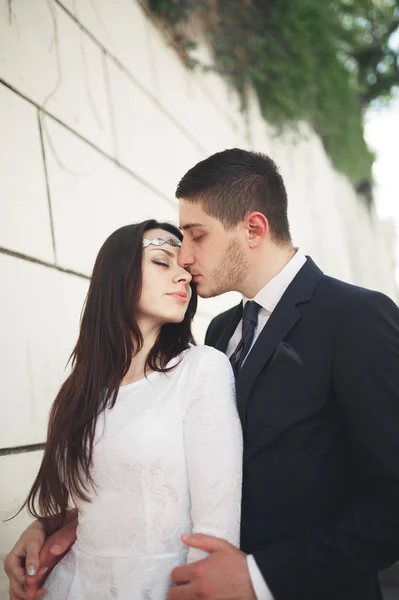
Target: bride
x,y
144,441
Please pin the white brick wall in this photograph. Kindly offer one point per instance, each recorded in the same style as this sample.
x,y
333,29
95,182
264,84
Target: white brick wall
x,y
23,182
99,119
39,317
91,197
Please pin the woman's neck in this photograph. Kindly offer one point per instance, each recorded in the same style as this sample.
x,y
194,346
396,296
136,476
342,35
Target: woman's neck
x,y
137,369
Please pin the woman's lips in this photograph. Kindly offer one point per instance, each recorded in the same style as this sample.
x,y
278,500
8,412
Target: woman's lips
x,y
182,296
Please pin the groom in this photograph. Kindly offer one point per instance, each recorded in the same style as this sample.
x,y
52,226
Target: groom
x,y
317,370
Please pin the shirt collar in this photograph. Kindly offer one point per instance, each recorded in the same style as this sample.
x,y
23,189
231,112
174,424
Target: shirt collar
x,y
270,295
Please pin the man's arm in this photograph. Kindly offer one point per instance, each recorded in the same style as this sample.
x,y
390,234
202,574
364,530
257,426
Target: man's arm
x,y
364,537
259,585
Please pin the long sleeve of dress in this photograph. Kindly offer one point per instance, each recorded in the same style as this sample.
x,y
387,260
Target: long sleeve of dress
x,y
213,445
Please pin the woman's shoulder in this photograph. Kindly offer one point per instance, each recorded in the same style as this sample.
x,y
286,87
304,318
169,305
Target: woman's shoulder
x,y
205,355
208,376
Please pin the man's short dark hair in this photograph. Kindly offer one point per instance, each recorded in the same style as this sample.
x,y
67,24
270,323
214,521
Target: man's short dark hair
x,y
233,183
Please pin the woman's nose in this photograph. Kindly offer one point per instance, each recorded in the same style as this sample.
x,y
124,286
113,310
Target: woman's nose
x,y
183,275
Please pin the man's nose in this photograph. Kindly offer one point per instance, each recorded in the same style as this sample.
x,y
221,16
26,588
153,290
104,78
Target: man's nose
x,y
185,257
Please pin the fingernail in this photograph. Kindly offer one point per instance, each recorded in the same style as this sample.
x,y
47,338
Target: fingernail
x,y
31,570
55,549
185,537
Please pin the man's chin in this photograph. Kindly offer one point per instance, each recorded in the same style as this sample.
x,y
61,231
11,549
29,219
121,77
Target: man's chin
x,y
205,292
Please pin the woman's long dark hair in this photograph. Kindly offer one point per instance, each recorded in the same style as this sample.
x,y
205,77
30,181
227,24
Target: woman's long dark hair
x,y
108,340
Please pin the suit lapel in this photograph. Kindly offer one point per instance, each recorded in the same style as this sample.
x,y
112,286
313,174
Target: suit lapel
x,y
222,341
282,320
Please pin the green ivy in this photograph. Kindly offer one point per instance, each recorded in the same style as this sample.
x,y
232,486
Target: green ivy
x,y
322,61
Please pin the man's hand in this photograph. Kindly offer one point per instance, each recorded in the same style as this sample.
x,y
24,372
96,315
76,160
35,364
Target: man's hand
x,y
223,575
33,557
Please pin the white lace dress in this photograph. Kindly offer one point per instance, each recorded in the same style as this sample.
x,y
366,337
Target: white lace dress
x,y
167,461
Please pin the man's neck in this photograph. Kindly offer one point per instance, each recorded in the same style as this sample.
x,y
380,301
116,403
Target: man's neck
x,y
265,267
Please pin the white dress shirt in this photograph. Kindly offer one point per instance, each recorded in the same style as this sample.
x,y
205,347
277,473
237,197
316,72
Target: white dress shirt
x,y
268,298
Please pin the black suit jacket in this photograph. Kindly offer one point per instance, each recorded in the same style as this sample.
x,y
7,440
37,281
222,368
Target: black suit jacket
x,y
318,399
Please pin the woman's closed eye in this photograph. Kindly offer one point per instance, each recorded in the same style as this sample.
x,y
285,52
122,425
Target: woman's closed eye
x,y
160,263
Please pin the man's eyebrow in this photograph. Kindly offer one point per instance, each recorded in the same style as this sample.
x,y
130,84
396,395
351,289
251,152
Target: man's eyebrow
x,y
190,226
163,250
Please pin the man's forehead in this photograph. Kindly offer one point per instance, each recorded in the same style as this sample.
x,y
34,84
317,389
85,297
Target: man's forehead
x,y
192,215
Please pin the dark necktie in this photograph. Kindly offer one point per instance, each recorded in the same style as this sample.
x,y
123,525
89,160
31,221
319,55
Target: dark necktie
x,y
249,322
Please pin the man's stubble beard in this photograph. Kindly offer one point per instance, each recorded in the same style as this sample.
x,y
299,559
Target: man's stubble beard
x,y
229,275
